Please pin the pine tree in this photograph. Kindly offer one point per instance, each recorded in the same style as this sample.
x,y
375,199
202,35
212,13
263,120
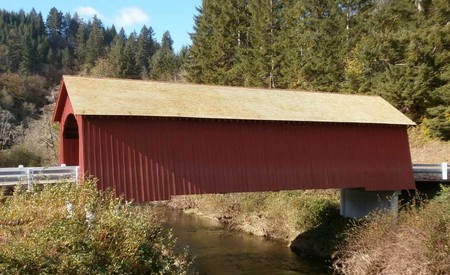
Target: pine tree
x,y
324,36
116,54
290,43
165,65
55,28
218,33
28,61
14,51
80,47
95,43
260,58
37,24
71,31
66,61
131,69
110,34
146,48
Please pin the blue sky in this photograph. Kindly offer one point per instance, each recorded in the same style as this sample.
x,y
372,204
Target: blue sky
x,y
175,16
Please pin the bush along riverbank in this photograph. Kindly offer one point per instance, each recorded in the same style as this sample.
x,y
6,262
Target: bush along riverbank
x,y
416,241
308,220
74,229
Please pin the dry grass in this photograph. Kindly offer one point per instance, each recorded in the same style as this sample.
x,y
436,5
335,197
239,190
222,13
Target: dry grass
x,y
417,241
427,150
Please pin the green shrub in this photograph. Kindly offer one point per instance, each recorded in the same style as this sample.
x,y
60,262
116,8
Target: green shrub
x,y
438,125
19,156
443,198
97,234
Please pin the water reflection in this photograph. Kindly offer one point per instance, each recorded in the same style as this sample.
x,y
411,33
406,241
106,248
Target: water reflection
x,y
220,251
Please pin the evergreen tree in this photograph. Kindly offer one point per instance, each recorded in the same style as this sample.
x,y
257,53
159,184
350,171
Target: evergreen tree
x,y
165,65
71,31
55,28
116,55
324,36
80,47
66,60
37,24
260,58
28,61
146,48
167,42
110,34
95,43
131,69
14,51
291,43
219,31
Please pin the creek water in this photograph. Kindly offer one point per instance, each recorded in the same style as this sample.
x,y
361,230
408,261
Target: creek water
x,y
217,250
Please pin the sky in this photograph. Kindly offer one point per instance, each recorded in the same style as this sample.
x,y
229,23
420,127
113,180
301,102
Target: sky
x,y
175,16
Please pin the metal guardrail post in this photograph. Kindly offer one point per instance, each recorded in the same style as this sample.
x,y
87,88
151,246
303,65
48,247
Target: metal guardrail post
x,y
77,171
444,171
30,179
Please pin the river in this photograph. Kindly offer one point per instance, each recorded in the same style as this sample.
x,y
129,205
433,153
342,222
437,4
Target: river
x,y
217,250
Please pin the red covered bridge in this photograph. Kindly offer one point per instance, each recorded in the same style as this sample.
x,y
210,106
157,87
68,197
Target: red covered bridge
x,y
150,140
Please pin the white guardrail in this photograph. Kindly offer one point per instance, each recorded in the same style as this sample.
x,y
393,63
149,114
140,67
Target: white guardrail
x,y
10,177
431,172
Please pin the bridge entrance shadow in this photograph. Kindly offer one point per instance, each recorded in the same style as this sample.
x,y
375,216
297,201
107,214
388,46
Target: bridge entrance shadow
x,y
70,141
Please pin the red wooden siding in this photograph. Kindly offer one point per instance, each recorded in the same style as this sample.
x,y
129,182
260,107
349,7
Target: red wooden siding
x,y
155,158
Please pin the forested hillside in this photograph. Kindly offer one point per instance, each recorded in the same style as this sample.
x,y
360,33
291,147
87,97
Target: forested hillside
x,y
35,51
399,50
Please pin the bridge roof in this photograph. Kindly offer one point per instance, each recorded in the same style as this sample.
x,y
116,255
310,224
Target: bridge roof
x,y
120,97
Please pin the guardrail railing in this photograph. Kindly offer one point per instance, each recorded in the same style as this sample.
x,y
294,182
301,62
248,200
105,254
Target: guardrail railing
x,y
431,172
29,176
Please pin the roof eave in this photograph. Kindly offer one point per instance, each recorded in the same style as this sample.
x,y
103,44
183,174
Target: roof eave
x,y
405,123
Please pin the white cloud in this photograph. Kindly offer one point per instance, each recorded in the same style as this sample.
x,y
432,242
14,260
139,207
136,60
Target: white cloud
x,y
88,12
130,16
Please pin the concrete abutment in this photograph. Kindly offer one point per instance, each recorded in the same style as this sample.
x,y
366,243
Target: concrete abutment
x,y
357,202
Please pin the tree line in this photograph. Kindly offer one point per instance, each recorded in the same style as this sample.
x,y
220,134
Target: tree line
x,y
66,44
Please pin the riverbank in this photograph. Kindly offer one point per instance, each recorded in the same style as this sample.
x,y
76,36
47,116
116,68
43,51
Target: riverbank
x,y
308,221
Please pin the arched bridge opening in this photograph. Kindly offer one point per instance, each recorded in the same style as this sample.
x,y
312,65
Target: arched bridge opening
x,y
70,141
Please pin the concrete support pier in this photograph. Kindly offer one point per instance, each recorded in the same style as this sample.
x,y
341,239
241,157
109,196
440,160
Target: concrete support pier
x,y
357,203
